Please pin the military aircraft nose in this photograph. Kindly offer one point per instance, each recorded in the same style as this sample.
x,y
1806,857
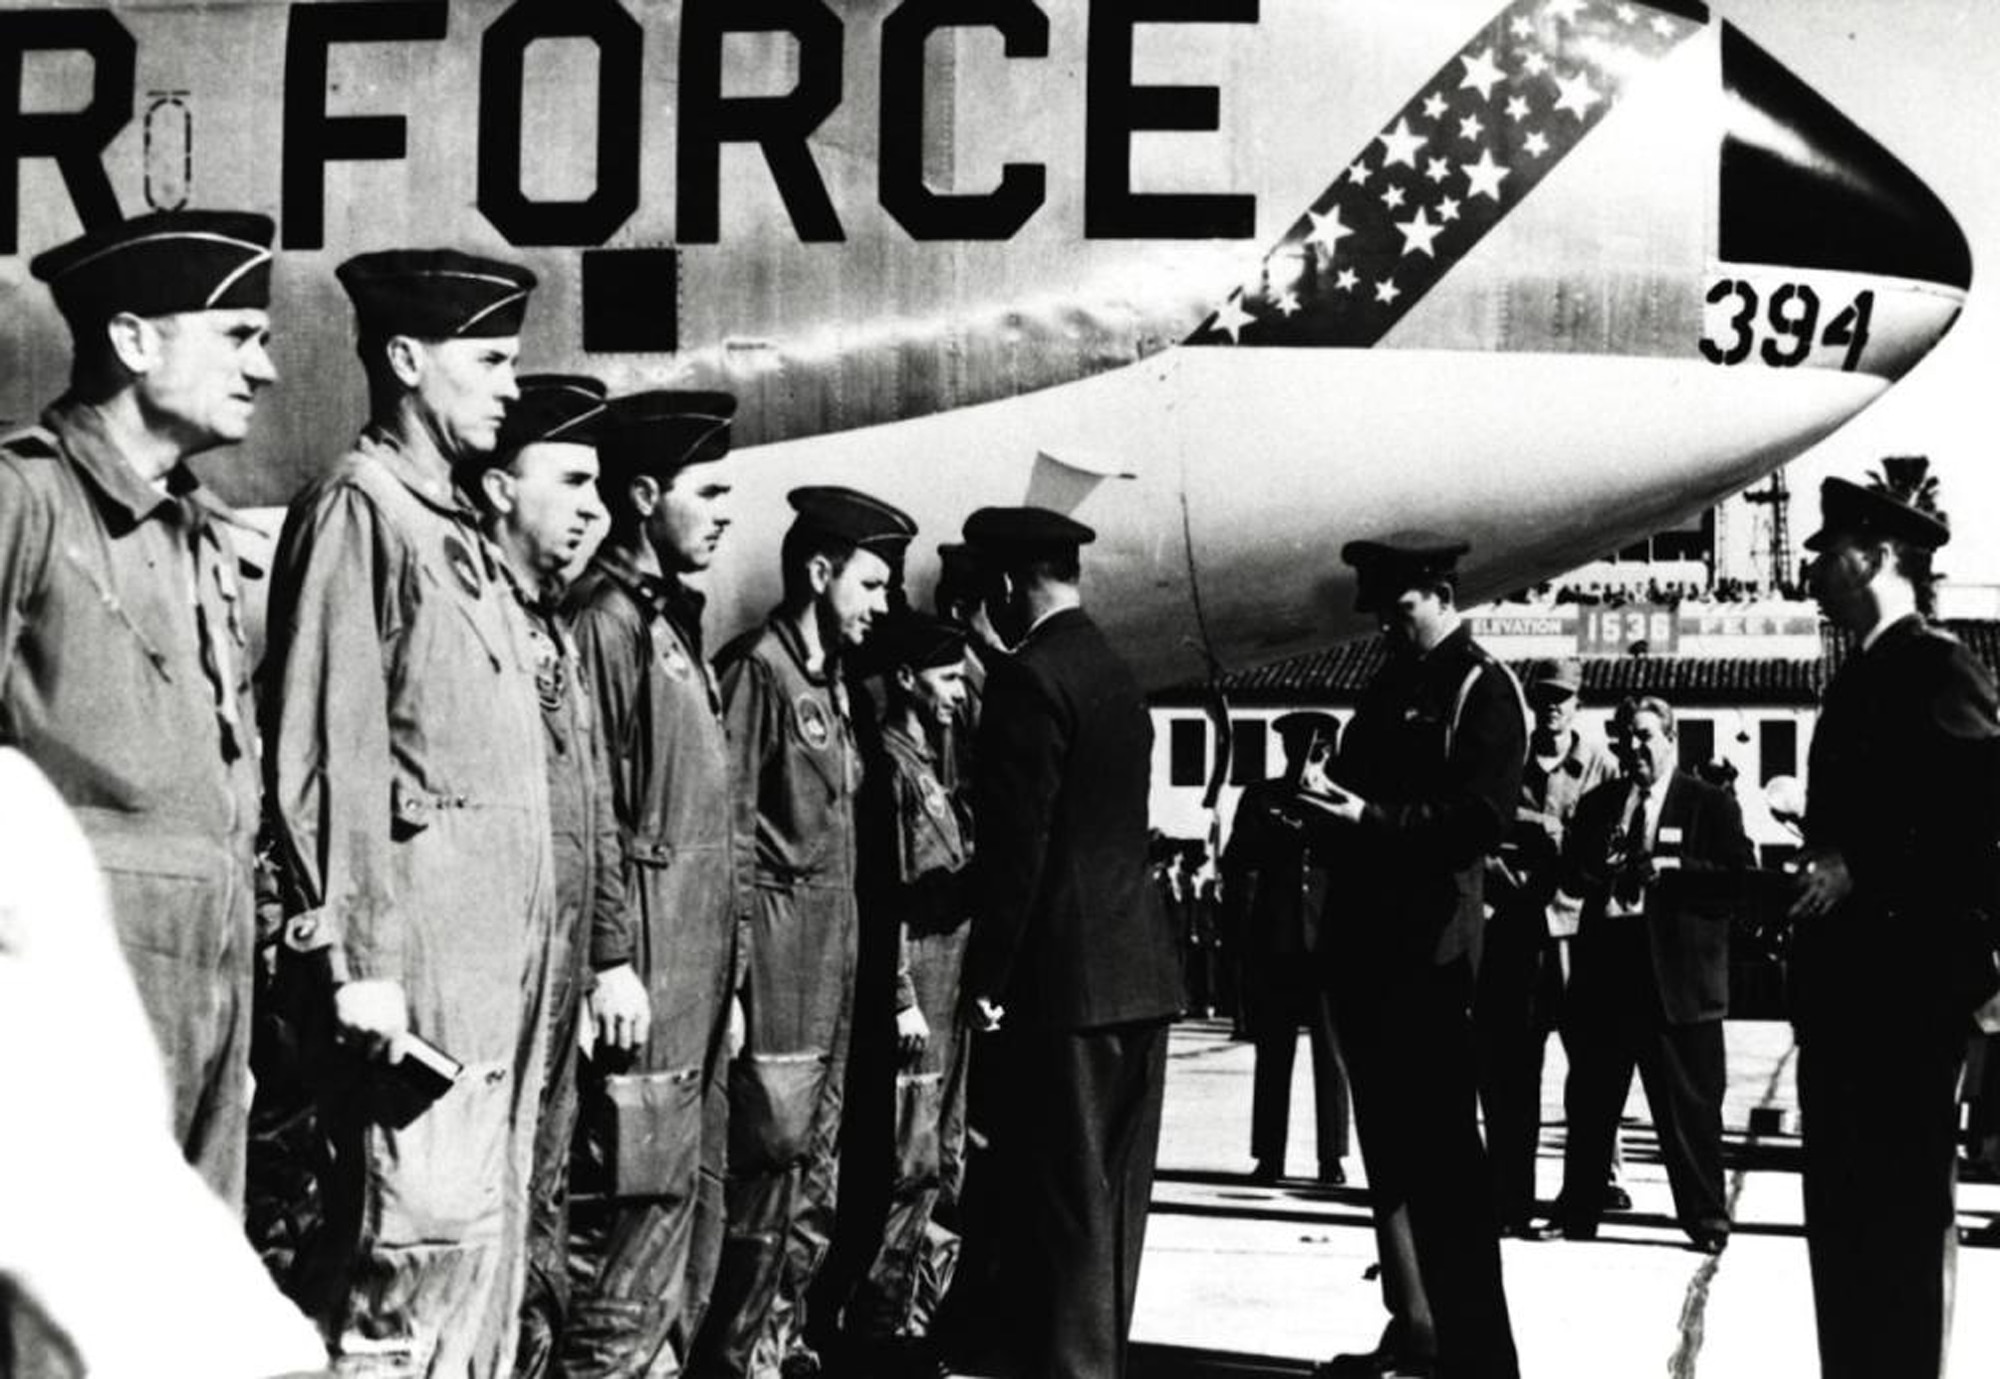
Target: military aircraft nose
x,y
1804,186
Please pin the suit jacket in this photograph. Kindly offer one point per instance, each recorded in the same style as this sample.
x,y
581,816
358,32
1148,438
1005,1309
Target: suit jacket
x,y
1677,948
1901,782
1436,746
1067,930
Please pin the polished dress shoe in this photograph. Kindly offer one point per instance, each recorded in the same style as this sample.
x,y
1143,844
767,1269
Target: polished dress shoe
x,y
1267,1171
1527,1229
1616,1198
1708,1242
1332,1174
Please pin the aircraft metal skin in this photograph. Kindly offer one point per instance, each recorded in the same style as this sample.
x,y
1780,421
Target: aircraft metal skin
x,y
1234,281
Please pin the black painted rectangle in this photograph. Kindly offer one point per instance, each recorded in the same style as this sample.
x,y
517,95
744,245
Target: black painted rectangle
x,y
631,301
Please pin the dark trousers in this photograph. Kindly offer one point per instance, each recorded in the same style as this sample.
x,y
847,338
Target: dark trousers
x,y
1082,1135
1283,993
1878,1101
1407,1034
1683,1070
1520,993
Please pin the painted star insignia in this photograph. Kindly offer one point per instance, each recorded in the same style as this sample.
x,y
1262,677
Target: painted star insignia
x,y
1482,73
1437,169
1327,229
1448,209
1470,128
1288,303
1401,145
1534,64
1484,177
1419,233
1359,172
1577,94
1435,105
1627,14
1386,291
1346,280
1565,10
1393,197
1664,26
1522,26
1535,145
1517,108
1232,318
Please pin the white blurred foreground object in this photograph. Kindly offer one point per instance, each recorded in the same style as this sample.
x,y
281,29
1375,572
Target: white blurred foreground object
x,y
103,1226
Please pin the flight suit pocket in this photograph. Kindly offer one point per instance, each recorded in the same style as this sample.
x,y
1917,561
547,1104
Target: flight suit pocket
x,y
919,1102
445,1176
654,1132
167,907
772,1098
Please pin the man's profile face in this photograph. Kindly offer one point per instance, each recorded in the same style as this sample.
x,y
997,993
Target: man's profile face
x,y
1415,619
939,692
210,367
555,509
463,388
854,596
1839,578
688,521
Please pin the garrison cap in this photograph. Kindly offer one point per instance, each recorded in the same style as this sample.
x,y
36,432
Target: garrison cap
x,y
1848,509
869,523
554,408
162,264
912,639
1006,533
436,294
1305,723
663,431
1557,673
1387,568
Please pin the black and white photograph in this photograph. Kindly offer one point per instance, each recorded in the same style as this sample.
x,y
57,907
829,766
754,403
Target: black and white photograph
x,y
999,689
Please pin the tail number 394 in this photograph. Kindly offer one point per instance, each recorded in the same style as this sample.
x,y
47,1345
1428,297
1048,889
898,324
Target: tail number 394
x,y
1783,330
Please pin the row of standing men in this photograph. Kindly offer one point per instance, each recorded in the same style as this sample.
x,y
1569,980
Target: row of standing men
x,y
493,803
419,884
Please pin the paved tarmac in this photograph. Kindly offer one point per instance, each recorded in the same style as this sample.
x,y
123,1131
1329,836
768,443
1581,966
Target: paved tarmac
x,y
1241,1279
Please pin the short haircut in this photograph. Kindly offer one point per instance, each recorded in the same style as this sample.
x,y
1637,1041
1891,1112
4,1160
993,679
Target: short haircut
x,y
804,541
1630,707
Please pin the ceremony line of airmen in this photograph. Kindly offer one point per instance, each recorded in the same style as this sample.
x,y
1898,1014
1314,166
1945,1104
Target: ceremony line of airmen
x,y
758,909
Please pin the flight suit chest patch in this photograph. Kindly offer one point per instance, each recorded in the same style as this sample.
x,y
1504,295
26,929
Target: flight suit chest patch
x,y
675,664
932,796
551,670
814,724
463,567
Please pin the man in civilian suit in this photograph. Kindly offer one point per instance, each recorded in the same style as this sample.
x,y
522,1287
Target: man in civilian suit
x,y
1655,856
1070,958
1424,789
1893,948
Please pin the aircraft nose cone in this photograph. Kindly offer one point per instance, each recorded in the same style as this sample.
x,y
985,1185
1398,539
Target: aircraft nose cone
x,y
1804,186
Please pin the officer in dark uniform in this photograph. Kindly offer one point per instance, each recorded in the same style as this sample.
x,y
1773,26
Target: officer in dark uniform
x,y
1893,945
795,772
656,1105
1274,895
1071,958
1428,773
537,495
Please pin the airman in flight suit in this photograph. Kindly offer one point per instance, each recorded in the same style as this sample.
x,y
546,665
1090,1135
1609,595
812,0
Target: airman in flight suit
x,y
122,666
412,832
795,770
648,1246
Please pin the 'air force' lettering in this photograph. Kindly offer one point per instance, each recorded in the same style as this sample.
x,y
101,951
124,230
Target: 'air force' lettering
x,y
707,117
